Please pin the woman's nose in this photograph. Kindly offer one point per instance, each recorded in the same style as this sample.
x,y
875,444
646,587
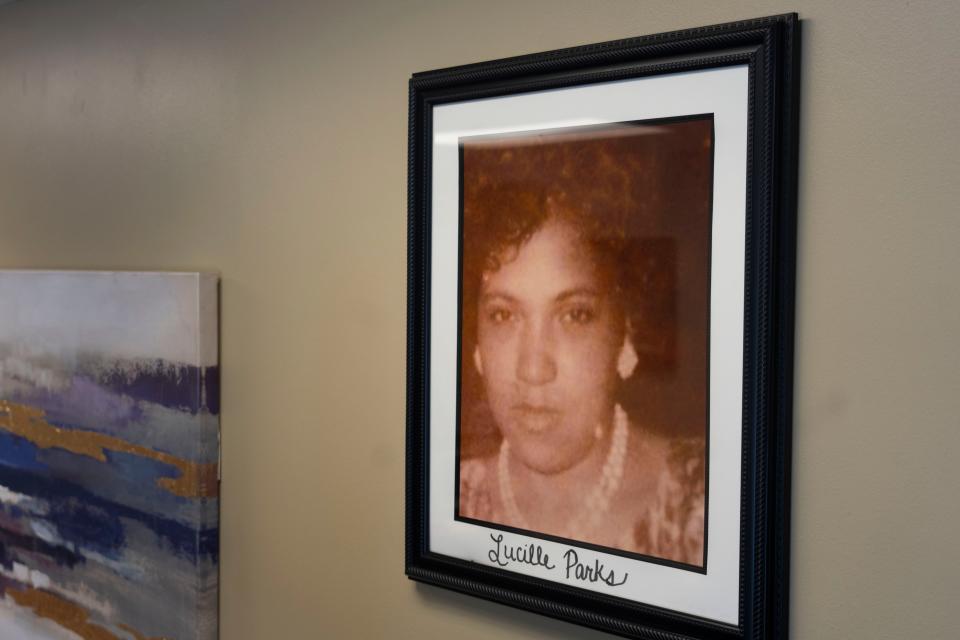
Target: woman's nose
x,y
536,364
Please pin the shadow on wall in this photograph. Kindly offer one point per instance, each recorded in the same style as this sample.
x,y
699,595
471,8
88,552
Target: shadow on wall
x,y
512,621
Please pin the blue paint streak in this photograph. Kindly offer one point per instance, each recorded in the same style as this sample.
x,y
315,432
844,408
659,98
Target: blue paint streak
x,y
89,526
128,473
19,453
93,522
12,540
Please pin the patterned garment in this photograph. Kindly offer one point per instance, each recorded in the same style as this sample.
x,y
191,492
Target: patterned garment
x,y
669,524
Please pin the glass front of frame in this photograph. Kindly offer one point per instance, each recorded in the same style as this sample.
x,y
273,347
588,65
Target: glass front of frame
x,y
583,343
587,336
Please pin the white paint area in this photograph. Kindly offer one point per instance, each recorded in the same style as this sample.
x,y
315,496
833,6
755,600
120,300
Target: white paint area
x,y
9,497
120,314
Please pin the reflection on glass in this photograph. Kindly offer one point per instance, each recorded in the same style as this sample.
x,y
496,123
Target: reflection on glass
x,y
585,289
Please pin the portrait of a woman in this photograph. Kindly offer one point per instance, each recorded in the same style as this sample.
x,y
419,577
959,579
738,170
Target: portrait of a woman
x,y
584,335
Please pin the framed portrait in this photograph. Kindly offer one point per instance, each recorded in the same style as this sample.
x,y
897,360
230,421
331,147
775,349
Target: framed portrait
x,y
600,331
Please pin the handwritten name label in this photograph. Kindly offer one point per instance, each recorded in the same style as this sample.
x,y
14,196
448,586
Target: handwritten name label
x,y
504,554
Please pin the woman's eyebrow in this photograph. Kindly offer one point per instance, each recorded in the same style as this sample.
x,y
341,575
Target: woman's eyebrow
x,y
563,296
585,292
492,296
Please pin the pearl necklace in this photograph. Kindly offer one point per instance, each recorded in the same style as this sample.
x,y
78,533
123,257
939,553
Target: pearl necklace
x,y
597,501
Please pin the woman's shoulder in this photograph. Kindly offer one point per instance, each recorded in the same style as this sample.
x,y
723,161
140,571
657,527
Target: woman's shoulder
x,y
686,463
476,487
657,457
672,474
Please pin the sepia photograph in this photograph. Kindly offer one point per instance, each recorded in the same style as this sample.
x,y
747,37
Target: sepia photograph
x,y
584,335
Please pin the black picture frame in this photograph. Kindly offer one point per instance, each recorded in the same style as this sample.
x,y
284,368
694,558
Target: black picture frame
x,y
769,49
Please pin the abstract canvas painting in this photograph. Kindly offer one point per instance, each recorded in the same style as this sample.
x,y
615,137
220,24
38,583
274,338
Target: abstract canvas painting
x,y
109,455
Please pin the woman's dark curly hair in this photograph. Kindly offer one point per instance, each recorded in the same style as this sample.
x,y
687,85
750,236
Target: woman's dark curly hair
x,y
592,180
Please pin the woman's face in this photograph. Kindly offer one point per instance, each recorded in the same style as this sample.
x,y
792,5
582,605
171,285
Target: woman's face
x,y
549,335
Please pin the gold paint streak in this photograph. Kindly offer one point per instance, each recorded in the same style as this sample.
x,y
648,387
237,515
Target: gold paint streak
x,y
196,480
67,614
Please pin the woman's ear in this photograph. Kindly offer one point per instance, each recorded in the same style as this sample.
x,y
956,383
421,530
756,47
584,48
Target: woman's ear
x,y
477,360
627,360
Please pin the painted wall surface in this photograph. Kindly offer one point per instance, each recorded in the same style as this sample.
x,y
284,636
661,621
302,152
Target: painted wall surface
x,y
267,140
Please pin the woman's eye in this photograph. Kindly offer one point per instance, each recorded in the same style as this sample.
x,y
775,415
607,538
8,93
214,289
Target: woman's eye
x,y
499,316
578,315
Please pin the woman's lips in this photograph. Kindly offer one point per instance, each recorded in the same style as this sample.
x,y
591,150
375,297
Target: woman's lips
x,y
536,418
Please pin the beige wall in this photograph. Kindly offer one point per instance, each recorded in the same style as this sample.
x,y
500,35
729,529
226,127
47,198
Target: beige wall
x,y
268,140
